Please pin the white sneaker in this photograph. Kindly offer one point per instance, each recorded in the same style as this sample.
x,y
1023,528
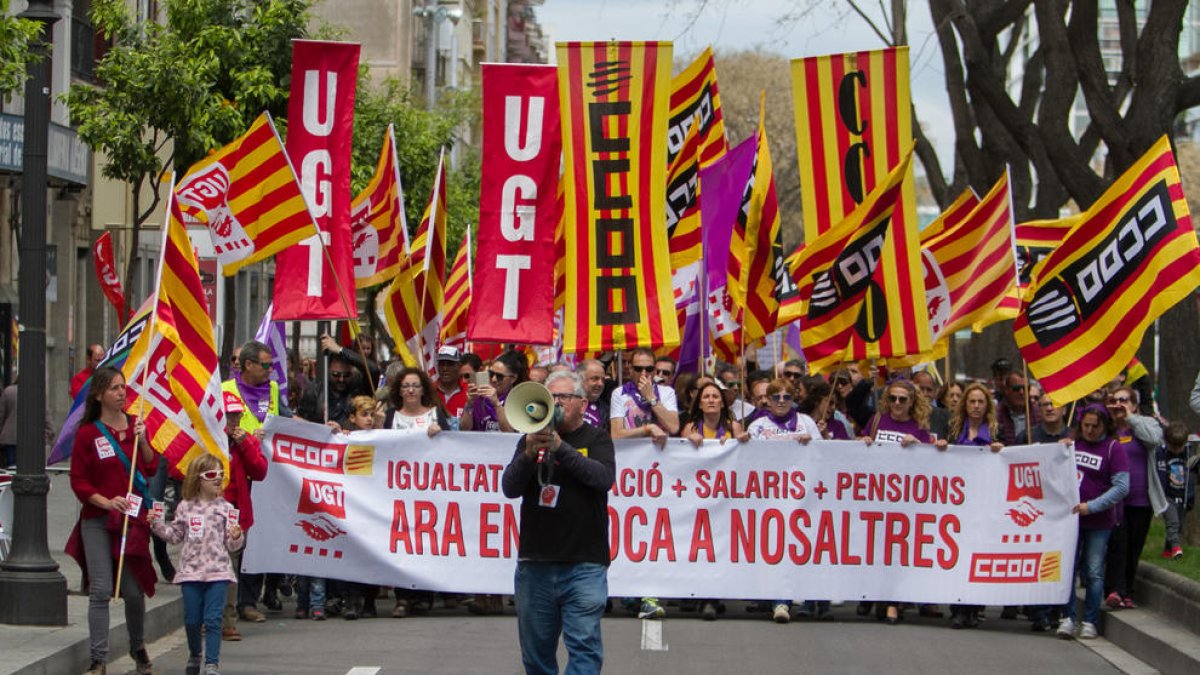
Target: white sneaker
x,y
781,613
1066,629
1088,632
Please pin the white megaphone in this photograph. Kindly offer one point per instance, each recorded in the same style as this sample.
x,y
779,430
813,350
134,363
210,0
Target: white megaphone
x,y
530,408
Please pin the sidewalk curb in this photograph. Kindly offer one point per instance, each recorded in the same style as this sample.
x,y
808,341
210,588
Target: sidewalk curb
x,y
164,615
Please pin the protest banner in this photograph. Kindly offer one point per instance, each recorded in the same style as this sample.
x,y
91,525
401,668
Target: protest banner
x,y
764,519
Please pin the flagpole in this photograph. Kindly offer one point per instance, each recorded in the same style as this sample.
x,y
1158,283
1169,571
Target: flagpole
x,y
162,248
1028,419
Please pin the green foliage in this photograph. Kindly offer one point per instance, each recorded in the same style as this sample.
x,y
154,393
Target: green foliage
x,y
15,36
172,92
420,135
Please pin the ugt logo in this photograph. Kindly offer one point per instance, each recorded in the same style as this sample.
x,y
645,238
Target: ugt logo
x,y
1024,480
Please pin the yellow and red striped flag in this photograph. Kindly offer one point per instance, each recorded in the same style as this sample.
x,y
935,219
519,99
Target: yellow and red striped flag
x,y
378,228
1132,256
458,295
172,369
560,253
761,282
414,304
952,216
970,268
863,296
683,221
853,126
696,103
614,106
248,197
1035,240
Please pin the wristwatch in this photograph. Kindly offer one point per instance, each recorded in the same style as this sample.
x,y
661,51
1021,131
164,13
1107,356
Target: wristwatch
x,y
652,401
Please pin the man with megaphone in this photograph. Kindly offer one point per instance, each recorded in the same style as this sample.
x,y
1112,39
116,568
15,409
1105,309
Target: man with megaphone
x,y
562,470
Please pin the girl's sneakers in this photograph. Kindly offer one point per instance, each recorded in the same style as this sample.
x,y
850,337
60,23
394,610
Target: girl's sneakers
x,y
193,665
318,615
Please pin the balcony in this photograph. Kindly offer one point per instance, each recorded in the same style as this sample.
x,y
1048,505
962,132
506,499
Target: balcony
x,y
87,48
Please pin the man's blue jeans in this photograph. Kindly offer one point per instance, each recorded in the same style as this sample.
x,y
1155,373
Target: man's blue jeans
x,y
1089,563
566,598
203,605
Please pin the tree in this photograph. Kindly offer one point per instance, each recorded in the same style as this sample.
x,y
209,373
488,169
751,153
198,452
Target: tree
x,y
420,135
173,91
15,35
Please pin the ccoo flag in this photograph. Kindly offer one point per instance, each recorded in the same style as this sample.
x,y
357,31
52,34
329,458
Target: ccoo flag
x,y
378,229
853,126
864,298
696,103
414,304
614,120
248,197
1132,256
171,371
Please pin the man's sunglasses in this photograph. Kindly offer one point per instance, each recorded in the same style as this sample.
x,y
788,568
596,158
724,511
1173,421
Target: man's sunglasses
x,y
642,369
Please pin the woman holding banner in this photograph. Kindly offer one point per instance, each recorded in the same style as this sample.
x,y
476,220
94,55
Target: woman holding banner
x,y
973,422
903,419
711,418
1103,471
104,445
782,420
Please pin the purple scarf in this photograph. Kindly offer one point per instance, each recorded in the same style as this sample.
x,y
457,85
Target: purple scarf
x,y
984,437
591,415
718,434
630,389
257,397
786,423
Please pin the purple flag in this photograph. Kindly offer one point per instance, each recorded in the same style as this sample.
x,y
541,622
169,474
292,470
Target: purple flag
x,y
722,184
272,334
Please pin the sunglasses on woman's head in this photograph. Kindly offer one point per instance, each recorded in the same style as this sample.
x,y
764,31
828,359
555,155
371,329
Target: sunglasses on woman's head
x,y
212,474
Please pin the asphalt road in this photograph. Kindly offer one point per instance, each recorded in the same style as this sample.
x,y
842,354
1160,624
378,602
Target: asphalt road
x,y
453,642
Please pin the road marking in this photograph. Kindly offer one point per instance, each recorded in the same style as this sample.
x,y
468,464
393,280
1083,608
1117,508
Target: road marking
x,y
652,636
364,670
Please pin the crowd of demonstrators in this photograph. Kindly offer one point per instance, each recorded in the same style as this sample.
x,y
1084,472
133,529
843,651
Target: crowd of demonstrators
x,y
1131,469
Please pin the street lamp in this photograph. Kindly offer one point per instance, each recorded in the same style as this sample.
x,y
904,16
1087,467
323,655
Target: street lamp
x,y
435,14
32,590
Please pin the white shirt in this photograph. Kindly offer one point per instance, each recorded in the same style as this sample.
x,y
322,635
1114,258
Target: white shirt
x,y
624,407
765,428
402,422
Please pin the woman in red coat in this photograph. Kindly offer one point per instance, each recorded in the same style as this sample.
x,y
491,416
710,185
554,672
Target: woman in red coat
x,y
105,443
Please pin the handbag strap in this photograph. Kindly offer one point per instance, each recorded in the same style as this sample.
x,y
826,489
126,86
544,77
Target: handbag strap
x,y
139,480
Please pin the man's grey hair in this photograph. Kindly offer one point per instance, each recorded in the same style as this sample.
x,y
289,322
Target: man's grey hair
x,y
251,350
583,365
575,380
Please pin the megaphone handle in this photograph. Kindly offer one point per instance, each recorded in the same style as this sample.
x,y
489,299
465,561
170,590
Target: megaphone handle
x,y
541,455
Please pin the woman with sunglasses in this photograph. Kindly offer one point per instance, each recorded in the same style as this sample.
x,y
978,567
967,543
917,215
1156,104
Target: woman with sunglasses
x,y
1138,436
105,443
207,527
973,422
782,420
903,419
1103,473
485,403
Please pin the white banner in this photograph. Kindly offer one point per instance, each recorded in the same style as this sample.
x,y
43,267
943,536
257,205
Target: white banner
x,y
760,520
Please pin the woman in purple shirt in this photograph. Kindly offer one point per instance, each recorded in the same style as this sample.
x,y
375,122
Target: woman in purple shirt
x,y
903,419
1103,473
972,423
1139,436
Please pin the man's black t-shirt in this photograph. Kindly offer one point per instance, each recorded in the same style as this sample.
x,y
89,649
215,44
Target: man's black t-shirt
x,y
575,528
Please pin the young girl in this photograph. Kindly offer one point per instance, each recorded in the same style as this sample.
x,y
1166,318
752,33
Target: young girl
x,y
206,525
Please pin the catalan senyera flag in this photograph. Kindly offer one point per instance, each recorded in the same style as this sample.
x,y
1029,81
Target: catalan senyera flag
x,y
378,228
696,102
172,370
614,106
1035,240
762,282
853,126
248,197
458,296
414,304
861,284
952,216
1131,257
971,267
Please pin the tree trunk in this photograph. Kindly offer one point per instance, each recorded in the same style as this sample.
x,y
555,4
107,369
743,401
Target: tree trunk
x,y
230,322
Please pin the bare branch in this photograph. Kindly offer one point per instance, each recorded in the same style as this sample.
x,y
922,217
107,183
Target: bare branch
x,y
883,37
